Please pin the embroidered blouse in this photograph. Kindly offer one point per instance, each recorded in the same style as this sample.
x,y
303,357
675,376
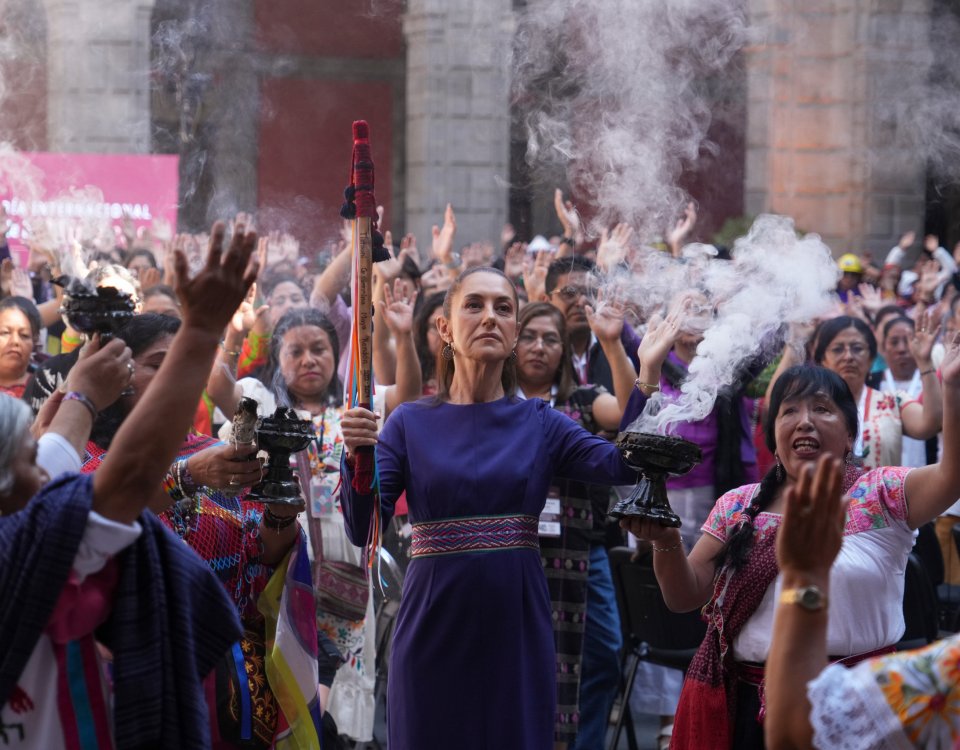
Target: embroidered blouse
x,y
905,700
866,582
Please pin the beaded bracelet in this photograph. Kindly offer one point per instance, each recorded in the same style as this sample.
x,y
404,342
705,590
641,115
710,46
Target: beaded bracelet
x,y
187,485
678,545
81,398
229,352
278,523
644,387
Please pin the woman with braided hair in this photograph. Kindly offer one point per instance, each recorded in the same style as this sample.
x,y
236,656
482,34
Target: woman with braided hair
x,y
733,571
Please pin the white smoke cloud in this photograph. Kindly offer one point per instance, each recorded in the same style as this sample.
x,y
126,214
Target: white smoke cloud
x,y
775,278
615,92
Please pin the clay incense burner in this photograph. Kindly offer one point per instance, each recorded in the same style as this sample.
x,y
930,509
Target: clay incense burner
x,y
654,456
90,310
280,435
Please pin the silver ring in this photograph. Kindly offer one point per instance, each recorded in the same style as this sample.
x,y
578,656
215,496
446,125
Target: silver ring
x,y
130,368
233,480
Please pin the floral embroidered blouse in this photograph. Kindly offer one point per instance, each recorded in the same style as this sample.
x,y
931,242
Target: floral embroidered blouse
x,y
880,442
905,700
866,582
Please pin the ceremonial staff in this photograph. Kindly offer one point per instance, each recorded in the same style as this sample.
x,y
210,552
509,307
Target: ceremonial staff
x,y
367,249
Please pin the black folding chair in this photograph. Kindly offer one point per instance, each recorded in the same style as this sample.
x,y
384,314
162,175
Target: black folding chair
x,y
651,632
920,606
949,595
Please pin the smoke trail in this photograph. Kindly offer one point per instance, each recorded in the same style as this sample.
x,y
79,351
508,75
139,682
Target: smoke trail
x,y
775,278
614,89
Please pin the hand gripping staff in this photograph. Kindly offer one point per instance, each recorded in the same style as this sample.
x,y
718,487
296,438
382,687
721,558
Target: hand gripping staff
x,y
366,246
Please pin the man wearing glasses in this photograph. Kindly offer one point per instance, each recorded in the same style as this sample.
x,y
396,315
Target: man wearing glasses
x,y
570,286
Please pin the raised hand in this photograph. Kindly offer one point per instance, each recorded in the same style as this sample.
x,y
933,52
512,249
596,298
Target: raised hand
x,y
535,275
513,260
150,277
871,297
659,338
390,268
408,247
289,248
210,298
436,279
855,308
443,236
613,246
398,309
567,214
247,314
606,319
907,239
923,339
811,531
682,229
926,286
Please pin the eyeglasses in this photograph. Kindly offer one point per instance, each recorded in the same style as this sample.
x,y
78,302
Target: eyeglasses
x,y
856,350
549,340
571,293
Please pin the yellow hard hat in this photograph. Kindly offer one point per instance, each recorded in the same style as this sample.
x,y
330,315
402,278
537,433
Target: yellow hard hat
x,y
850,263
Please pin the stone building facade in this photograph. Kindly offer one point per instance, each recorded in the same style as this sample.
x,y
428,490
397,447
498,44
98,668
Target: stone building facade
x,y
257,97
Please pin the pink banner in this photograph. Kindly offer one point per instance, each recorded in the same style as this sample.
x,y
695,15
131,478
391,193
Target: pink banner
x,y
88,191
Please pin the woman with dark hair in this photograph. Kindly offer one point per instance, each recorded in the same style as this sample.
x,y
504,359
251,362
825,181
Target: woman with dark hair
x,y
161,299
139,260
733,569
576,510
472,664
19,330
301,373
901,378
847,346
242,541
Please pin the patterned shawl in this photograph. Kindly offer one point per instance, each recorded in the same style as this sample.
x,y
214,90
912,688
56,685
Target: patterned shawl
x,y
171,619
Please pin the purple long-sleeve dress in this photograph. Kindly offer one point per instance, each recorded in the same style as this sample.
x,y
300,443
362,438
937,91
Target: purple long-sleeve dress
x,y
473,663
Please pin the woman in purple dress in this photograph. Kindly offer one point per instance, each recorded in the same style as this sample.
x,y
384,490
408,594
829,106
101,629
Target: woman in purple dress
x,y
472,664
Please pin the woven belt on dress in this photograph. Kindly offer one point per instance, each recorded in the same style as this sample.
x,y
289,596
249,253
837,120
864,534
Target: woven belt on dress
x,y
474,534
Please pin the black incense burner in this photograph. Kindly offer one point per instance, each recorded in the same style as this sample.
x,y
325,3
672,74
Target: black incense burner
x,y
280,435
654,456
90,309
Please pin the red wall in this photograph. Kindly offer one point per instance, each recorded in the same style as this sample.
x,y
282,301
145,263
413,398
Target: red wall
x,y
321,28
306,145
305,140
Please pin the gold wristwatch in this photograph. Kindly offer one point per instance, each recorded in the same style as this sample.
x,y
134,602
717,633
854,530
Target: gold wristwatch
x,y
811,598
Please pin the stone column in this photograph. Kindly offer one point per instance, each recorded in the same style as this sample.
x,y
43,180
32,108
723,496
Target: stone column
x,y
233,105
98,75
821,144
458,110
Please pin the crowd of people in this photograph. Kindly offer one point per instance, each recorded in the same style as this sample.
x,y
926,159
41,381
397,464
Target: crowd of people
x,y
133,548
